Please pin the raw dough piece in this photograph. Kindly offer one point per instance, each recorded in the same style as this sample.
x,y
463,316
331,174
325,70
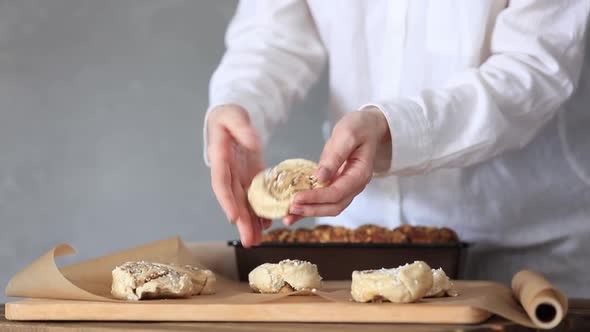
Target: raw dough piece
x,y
284,277
441,285
203,280
407,283
272,190
144,280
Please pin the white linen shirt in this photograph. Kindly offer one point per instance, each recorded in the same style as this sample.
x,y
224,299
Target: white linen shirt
x,y
487,101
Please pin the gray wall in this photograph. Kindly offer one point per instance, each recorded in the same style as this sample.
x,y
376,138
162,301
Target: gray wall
x,y
101,110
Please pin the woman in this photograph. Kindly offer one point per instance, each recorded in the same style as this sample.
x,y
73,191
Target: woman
x,y
468,114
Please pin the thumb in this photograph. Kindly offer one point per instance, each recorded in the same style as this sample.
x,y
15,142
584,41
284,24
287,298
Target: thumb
x,y
336,151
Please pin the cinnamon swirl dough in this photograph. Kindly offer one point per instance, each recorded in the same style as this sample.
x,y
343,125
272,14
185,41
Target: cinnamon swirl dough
x,y
285,277
146,280
272,190
407,283
441,285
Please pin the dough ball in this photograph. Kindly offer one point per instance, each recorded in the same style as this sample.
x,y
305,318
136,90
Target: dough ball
x,y
441,285
139,280
285,276
407,283
272,190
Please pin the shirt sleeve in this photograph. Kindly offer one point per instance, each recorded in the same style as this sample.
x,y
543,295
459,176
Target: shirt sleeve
x,y
273,55
537,50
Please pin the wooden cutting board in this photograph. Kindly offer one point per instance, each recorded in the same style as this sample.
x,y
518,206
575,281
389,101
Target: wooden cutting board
x,y
224,307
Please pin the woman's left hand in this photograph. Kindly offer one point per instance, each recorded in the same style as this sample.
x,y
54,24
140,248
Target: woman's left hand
x,y
346,164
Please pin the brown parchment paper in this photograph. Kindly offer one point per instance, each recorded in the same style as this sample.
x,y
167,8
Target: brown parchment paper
x,y
91,281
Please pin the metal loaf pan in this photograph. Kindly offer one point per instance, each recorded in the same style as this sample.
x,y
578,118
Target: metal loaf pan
x,y
336,261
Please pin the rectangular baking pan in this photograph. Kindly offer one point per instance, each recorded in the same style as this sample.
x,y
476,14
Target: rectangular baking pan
x,y
336,261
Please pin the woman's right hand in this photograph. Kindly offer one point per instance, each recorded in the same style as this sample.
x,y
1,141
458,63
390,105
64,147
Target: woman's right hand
x,y
235,157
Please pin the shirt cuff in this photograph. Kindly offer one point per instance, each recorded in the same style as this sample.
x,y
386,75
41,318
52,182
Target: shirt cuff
x,y
411,136
254,112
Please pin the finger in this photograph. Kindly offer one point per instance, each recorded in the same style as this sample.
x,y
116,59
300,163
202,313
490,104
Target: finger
x,y
291,219
266,223
221,184
246,231
249,164
241,129
347,184
257,226
355,175
221,180
244,222
321,210
338,148
343,186
256,164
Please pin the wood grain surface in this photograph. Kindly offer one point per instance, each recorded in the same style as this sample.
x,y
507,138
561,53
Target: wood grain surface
x,y
578,319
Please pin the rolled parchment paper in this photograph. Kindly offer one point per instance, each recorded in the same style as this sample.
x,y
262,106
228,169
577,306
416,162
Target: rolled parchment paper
x,y
545,304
